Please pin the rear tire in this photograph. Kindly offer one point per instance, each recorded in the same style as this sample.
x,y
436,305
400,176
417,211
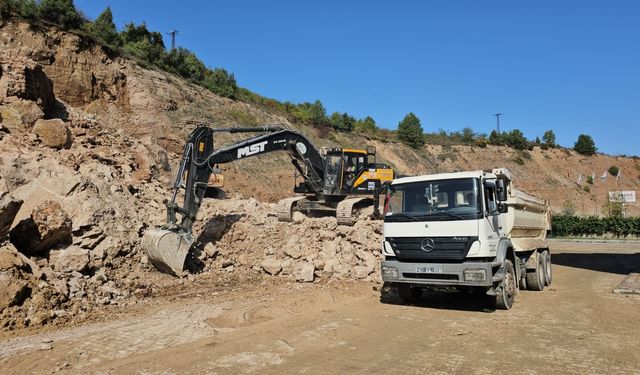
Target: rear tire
x,y
546,256
535,279
409,294
506,290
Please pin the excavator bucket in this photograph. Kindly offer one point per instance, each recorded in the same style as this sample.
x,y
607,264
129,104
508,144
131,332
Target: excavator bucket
x,y
167,250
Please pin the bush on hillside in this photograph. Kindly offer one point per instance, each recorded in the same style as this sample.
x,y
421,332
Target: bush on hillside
x,y
613,170
61,12
549,138
104,29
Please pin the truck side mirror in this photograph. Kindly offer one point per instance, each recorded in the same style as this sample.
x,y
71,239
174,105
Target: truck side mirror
x,y
501,191
503,208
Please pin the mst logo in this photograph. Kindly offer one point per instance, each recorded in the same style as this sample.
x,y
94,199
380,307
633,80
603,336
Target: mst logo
x,y
251,150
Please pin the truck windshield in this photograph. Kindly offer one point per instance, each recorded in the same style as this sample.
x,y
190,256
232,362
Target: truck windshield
x,y
456,199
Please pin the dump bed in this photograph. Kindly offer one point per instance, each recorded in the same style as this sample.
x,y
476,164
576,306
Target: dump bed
x,y
527,221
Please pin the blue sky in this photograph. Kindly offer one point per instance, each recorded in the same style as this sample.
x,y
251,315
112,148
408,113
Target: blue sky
x,y
570,66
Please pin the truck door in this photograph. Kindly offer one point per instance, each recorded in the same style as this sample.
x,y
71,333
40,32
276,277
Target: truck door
x,y
491,224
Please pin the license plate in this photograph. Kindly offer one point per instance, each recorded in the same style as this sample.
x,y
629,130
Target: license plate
x,y
428,269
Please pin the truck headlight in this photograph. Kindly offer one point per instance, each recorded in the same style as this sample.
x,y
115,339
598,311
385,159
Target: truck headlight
x,y
475,275
389,272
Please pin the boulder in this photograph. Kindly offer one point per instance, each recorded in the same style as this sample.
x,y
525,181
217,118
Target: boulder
x,y
53,133
73,258
48,226
20,115
271,265
10,259
304,272
9,207
12,291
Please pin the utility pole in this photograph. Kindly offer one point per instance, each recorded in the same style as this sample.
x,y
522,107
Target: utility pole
x,y
498,121
173,37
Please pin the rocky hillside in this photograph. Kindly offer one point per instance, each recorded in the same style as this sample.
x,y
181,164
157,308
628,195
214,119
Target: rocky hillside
x,y
88,145
159,109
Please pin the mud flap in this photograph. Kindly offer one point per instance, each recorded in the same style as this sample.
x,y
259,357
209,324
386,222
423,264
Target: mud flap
x,y
167,250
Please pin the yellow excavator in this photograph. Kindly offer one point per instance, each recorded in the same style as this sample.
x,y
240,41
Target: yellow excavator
x,y
334,180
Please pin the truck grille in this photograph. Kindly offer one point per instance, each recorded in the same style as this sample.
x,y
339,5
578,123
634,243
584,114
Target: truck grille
x,y
445,249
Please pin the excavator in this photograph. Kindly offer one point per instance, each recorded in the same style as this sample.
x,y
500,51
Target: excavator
x,y
336,180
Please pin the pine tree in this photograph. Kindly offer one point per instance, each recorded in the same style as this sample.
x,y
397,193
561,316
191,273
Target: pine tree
x,y
410,131
585,145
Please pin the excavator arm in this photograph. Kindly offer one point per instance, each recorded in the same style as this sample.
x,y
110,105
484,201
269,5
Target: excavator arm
x,y
167,247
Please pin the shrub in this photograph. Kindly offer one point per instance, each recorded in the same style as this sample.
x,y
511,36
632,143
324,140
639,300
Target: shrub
x,y
549,138
567,225
61,12
586,188
568,209
613,170
220,82
590,180
410,131
104,29
585,145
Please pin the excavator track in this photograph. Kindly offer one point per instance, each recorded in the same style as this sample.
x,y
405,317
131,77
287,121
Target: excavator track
x,y
344,211
285,208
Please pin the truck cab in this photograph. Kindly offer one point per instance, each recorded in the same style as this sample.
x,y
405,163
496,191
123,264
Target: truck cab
x,y
455,229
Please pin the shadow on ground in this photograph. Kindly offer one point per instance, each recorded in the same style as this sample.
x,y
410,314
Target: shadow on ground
x,y
622,264
442,299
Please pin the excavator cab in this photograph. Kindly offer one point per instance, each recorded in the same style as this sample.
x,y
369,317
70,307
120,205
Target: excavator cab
x,y
354,171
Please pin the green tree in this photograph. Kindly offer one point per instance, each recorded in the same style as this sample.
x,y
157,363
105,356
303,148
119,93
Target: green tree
x,y
549,138
103,28
367,125
221,82
61,12
410,131
468,135
495,138
142,43
585,145
27,9
342,121
613,170
186,64
516,139
317,113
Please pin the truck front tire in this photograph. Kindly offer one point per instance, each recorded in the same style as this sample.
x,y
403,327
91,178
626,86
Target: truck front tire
x,y
506,290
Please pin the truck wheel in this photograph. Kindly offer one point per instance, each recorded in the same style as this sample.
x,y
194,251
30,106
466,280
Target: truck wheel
x,y
535,279
409,294
546,256
506,290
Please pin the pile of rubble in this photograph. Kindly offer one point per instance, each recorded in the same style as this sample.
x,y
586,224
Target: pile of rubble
x,y
70,196
246,234
76,197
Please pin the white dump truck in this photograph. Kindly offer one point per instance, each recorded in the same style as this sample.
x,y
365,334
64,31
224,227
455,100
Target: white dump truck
x,y
469,230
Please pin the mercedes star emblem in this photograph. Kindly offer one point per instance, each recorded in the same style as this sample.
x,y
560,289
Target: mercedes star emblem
x,y
427,245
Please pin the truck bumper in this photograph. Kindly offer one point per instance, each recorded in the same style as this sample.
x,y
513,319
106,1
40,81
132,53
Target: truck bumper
x,y
443,274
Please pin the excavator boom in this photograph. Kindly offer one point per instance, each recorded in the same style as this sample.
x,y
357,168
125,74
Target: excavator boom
x,y
168,246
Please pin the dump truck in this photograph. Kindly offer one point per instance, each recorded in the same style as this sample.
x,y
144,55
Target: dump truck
x,y
465,230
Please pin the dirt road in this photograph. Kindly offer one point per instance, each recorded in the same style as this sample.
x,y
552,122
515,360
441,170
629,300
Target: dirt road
x,y
576,326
